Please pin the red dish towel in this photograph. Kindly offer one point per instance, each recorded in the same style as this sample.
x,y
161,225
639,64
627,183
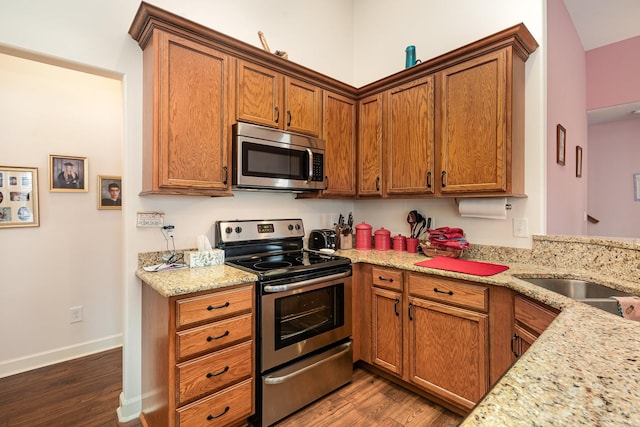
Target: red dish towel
x,y
463,266
629,307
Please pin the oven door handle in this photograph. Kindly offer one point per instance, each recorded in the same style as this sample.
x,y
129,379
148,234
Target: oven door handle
x,y
344,348
304,283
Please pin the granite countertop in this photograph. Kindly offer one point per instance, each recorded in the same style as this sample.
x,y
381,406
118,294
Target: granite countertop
x,y
583,370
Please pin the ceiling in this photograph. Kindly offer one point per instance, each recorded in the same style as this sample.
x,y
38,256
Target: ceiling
x,y
600,23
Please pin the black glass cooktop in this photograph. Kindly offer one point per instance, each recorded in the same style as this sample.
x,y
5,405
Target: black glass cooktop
x,y
287,262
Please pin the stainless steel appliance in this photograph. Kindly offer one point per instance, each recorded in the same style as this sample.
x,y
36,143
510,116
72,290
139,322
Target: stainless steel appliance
x,y
265,158
322,239
303,321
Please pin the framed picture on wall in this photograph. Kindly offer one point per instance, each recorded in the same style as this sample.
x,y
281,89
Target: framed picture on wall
x,y
578,161
18,197
68,174
561,144
109,192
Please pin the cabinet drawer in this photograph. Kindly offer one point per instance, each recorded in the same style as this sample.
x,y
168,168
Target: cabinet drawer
x,y
213,336
387,278
533,315
221,409
213,306
214,371
448,291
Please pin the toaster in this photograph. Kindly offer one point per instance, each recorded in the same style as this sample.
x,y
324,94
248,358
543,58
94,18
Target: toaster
x,y
322,238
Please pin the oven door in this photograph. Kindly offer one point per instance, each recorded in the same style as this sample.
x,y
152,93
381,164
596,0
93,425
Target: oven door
x,y
302,317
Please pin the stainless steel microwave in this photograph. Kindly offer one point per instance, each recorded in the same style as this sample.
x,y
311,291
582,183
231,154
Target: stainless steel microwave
x,y
271,159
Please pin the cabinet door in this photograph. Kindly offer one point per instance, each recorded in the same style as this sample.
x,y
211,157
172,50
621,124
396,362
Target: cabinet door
x,y
473,126
410,138
448,351
303,107
386,329
370,146
259,95
193,86
339,133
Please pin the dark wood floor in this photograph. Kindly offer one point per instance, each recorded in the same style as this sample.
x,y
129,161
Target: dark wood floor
x,y
370,400
85,392
81,392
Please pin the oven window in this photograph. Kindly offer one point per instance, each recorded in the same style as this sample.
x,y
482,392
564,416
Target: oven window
x,y
274,162
307,314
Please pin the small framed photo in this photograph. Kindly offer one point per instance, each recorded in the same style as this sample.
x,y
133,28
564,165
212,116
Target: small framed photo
x,y
109,192
561,144
68,174
578,161
18,197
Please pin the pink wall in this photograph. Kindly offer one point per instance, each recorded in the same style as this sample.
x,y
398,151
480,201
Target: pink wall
x,y
612,74
566,104
615,150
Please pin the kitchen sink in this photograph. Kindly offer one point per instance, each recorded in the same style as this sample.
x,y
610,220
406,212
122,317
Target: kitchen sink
x,y
590,293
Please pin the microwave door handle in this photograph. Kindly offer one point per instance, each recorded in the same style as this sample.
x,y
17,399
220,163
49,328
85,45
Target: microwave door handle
x,y
310,165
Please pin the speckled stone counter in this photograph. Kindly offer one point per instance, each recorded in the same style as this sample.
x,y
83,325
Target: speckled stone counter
x,y
585,368
170,283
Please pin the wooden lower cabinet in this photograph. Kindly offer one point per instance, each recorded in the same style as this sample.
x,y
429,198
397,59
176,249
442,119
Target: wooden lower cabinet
x,y
198,358
448,351
531,319
386,319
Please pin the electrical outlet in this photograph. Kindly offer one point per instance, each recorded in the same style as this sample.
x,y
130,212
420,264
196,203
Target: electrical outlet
x,y
520,227
150,219
75,314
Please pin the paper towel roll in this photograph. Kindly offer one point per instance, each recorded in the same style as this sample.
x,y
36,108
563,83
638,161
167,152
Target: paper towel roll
x,y
483,208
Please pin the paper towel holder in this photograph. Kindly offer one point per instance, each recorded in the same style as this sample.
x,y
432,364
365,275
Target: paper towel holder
x,y
507,205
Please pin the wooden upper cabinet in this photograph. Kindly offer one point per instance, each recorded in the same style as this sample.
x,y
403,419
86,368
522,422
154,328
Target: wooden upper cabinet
x,y
473,128
370,146
303,107
259,95
339,133
409,130
269,98
187,96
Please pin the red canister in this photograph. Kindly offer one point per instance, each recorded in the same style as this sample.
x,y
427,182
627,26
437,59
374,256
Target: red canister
x,y
363,236
399,243
382,239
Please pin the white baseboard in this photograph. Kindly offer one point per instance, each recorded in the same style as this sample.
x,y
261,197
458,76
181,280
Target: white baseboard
x,y
39,360
129,410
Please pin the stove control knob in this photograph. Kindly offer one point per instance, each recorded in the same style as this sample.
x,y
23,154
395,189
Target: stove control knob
x,y
238,230
228,230
290,227
298,227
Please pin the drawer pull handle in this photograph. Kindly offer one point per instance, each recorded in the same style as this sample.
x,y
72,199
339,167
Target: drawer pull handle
x,y
395,306
442,292
384,279
218,307
210,338
213,417
409,311
516,338
217,374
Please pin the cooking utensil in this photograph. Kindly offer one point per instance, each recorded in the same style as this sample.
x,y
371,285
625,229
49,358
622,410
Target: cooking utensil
x,y
411,219
420,228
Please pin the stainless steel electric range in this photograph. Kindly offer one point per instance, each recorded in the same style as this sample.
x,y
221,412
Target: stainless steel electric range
x,y
303,313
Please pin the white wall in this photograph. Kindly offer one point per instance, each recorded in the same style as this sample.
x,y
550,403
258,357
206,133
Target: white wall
x,y
73,257
356,42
